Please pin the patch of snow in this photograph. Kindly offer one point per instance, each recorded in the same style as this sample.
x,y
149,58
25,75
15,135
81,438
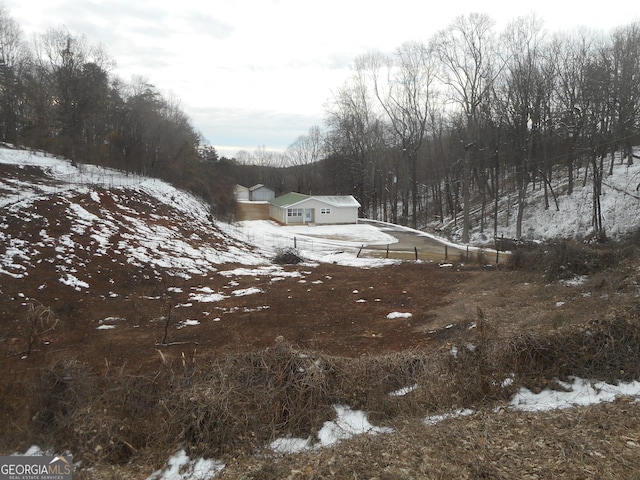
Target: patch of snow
x,y
73,282
433,419
404,391
206,295
181,467
246,291
575,281
290,445
507,382
577,392
394,315
347,424
187,323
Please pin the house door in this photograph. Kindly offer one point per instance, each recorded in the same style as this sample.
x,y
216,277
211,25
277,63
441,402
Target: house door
x,y
308,215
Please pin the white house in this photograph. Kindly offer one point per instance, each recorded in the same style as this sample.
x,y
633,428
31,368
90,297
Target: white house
x,y
296,208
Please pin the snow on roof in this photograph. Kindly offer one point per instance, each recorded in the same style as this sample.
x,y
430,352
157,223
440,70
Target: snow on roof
x,y
338,200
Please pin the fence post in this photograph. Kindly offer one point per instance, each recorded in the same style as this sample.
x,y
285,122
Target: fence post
x,y
387,250
446,252
416,250
295,242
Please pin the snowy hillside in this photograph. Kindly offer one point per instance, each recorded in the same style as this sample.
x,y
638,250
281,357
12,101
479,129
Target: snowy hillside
x,y
620,203
54,210
50,205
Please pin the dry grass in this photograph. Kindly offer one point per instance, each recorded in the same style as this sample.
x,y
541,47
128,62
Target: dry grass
x,y
237,404
600,441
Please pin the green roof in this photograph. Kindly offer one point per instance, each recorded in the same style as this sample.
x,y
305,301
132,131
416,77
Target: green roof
x,y
289,199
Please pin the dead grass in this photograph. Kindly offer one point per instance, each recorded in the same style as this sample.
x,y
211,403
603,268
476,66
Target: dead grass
x,y
237,404
600,441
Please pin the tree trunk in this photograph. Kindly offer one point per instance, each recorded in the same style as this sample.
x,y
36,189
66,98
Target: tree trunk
x,y
466,194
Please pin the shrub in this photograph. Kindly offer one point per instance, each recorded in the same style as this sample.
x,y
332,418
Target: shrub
x,y
567,259
239,403
287,256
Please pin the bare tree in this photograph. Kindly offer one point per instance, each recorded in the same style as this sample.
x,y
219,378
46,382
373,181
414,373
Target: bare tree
x,y
403,85
304,150
466,50
356,134
522,100
625,67
76,73
13,60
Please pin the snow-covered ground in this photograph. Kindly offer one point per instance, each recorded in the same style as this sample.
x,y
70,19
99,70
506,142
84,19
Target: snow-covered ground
x,y
620,204
149,244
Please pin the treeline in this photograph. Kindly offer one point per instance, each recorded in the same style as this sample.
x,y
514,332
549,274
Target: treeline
x,y
470,117
58,94
473,116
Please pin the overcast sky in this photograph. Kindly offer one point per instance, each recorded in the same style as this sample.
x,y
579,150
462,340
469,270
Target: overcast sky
x,y
259,72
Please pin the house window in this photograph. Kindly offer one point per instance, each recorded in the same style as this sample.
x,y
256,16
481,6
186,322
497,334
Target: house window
x,y
295,212
325,211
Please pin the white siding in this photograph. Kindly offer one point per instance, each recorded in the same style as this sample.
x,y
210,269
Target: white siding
x,y
241,193
335,214
319,210
262,194
278,213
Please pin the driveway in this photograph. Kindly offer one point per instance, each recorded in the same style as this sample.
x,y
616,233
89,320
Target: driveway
x,y
410,241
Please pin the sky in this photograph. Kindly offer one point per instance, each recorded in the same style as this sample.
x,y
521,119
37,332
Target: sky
x,y
259,73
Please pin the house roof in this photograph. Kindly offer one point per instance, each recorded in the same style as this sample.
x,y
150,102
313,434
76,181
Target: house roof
x,y
289,199
294,198
259,185
338,200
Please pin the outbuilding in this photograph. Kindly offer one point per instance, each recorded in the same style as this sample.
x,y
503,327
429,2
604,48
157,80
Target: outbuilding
x,y
260,193
297,208
241,193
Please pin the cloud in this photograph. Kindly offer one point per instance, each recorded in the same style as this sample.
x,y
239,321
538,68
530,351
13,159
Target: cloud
x,y
204,24
250,128
254,72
